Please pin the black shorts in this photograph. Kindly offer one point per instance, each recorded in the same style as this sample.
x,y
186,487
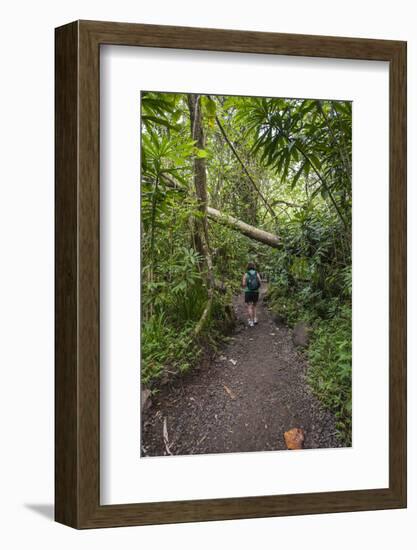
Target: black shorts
x,y
251,297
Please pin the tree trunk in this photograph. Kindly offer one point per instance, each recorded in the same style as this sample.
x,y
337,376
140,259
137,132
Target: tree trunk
x,y
200,186
200,176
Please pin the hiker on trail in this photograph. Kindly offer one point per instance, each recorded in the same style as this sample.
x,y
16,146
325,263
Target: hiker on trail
x,y
251,282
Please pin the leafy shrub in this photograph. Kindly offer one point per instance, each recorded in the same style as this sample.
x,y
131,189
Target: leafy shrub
x,y
330,371
165,348
168,342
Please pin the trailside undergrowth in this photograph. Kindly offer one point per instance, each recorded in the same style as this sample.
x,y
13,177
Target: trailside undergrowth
x,y
330,371
169,345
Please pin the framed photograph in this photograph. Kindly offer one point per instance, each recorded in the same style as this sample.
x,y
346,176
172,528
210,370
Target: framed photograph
x,y
230,274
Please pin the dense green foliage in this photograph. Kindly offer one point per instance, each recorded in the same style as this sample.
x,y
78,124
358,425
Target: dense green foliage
x,y
280,165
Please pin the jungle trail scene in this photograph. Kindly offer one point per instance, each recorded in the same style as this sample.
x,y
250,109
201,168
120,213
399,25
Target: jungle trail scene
x,y
246,276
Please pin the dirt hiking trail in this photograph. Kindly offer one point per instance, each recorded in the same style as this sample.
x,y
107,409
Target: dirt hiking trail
x,y
243,400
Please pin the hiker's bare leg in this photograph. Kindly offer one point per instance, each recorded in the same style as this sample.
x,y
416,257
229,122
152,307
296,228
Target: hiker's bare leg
x,y
254,313
251,306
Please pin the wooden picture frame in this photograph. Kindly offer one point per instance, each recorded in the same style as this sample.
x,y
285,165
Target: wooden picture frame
x,y
77,374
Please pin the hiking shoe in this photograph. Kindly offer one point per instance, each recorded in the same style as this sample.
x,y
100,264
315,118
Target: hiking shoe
x,y
255,321
250,322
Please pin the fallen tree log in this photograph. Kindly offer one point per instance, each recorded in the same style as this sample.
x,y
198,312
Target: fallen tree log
x,y
249,230
226,219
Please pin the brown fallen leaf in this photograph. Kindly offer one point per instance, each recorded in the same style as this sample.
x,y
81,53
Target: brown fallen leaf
x,y
229,391
294,438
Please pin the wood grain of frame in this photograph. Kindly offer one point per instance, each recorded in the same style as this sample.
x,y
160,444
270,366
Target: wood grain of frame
x,y
77,195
